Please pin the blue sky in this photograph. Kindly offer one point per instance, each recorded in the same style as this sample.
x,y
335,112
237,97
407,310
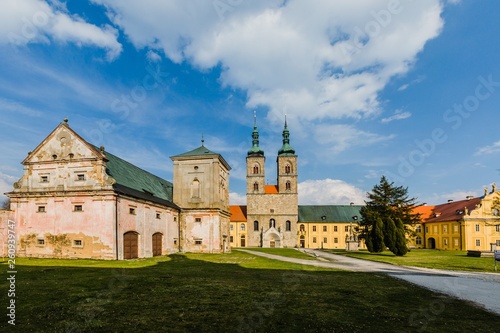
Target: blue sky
x,y
406,89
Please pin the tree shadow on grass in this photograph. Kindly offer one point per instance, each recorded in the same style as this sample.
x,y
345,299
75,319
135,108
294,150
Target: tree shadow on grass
x,y
245,293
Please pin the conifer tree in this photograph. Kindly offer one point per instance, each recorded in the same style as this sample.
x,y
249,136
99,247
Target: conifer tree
x,y
389,210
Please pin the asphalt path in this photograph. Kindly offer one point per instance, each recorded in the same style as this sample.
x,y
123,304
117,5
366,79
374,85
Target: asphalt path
x,y
482,289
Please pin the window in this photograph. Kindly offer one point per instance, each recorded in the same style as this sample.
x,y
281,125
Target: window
x,y
314,228
426,229
272,223
455,241
271,211
324,228
325,240
77,243
335,240
335,228
477,227
255,186
445,228
231,239
255,170
175,241
197,241
497,228
78,208
418,241
158,215
197,219
314,239
287,168
40,242
478,242
498,242
346,228
242,227
288,185
131,210
41,209
445,242
231,227
44,179
256,225
302,227
175,218
418,229
455,228
80,177
288,225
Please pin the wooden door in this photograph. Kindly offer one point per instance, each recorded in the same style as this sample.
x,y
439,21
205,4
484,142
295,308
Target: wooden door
x,y
157,241
130,245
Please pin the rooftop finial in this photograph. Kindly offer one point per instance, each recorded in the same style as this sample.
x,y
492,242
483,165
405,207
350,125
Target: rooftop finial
x,y
254,119
65,120
202,140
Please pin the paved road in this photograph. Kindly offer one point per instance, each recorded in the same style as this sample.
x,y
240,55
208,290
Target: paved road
x,y
483,289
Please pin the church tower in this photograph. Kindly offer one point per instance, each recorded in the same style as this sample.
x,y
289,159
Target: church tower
x,y
272,210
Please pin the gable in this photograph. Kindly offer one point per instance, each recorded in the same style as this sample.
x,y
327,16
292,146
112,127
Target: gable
x,y
62,144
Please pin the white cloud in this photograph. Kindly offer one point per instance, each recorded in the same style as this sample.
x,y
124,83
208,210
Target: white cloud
x,y
35,21
153,56
331,65
398,115
237,199
487,150
341,137
329,192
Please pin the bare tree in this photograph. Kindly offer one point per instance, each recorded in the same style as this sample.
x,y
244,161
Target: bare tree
x,y
6,204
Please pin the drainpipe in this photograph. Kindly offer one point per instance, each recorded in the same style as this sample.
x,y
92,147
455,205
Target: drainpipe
x,y
116,226
179,230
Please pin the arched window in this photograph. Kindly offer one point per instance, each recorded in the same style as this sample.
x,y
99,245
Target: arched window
x,y
255,186
242,227
288,169
195,188
288,225
255,169
302,227
256,225
288,185
272,223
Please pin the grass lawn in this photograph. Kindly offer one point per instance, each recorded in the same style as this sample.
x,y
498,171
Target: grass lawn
x,y
224,293
452,260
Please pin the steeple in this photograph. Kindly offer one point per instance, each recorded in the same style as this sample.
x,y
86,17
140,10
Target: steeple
x,y
286,149
255,150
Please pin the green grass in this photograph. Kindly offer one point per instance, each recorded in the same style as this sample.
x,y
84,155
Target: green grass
x,y
291,253
225,293
452,260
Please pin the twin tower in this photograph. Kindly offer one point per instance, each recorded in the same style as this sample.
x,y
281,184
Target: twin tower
x,y
272,210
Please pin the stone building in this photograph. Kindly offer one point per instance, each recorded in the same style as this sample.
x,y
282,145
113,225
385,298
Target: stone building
x,y
272,209
75,200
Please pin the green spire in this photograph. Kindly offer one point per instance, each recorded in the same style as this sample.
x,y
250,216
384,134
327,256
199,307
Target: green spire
x,y
286,149
255,150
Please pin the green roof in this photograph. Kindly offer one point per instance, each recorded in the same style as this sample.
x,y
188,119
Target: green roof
x,y
329,213
200,151
129,176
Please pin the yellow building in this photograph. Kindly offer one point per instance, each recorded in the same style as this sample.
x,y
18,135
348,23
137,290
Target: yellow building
x,y
469,225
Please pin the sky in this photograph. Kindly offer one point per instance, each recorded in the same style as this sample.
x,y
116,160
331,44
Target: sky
x,y
401,88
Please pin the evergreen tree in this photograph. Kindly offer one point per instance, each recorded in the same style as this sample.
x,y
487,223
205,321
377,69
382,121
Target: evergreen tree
x,y
389,210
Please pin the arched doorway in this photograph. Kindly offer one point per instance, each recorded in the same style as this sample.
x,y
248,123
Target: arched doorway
x,y
130,245
431,243
302,242
157,242
242,243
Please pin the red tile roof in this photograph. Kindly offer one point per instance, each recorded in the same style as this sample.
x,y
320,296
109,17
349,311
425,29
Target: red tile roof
x,y
452,211
238,213
271,189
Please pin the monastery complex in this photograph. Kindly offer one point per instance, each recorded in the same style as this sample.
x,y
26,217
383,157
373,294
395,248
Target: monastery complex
x,y
76,200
